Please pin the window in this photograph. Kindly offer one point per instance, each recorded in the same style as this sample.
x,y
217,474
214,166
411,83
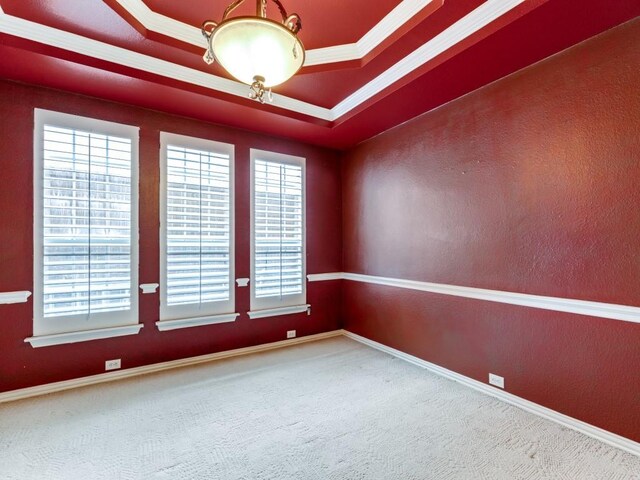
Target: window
x,y
86,226
278,232
196,238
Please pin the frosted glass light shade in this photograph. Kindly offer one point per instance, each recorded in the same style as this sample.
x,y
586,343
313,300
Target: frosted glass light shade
x,y
250,46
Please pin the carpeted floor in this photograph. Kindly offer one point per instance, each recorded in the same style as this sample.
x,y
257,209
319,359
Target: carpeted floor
x,y
332,409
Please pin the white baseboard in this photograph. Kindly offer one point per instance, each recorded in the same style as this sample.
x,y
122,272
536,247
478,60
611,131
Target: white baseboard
x,y
156,367
604,436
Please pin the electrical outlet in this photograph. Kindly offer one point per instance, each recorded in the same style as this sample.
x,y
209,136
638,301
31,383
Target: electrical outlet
x,y
112,364
291,334
496,380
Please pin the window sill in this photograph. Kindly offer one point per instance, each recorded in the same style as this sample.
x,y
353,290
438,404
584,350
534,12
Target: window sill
x,y
166,325
84,336
275,312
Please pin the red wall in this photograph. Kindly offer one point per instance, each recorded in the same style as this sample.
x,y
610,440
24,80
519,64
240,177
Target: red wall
x,y
531,184
23,366
528,185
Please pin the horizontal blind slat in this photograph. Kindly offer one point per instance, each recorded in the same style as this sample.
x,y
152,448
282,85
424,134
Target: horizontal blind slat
x,y
278,226
87,199
198,220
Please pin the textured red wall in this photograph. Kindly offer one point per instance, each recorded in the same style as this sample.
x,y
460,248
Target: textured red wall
x,y
23,366
528,185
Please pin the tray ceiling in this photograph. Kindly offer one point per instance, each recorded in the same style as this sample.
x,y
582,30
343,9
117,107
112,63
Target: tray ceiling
x,y
370,65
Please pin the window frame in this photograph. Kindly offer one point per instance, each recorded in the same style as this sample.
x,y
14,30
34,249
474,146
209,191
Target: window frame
x,y
175,316
293,303
104,323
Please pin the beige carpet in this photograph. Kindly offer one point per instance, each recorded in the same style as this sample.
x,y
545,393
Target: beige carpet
x,y
326,410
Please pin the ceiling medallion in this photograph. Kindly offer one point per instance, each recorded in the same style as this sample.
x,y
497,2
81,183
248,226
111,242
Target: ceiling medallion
x,y
256,50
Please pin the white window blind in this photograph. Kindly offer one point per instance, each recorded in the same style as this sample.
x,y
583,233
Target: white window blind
x,y
196,237
86,224
278,231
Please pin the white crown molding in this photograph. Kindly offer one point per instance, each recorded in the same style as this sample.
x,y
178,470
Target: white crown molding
x,y
156,367
242,282
158,23
395,19
400,15
46,35
600,434
167,325
611,311
14,297
462,29
339,53
83,336
474,21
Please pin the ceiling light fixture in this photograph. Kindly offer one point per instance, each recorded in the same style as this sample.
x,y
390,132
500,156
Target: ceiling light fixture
x,y
256,50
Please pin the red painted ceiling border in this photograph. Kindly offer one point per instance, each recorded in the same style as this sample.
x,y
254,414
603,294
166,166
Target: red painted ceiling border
x,y
468,42
89,61
150,34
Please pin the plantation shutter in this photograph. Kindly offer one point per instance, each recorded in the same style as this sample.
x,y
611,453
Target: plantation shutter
x,y
197,232
278,229
87,223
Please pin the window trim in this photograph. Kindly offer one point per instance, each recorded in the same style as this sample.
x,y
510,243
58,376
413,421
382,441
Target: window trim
x,y
298,299
193,314
50,327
